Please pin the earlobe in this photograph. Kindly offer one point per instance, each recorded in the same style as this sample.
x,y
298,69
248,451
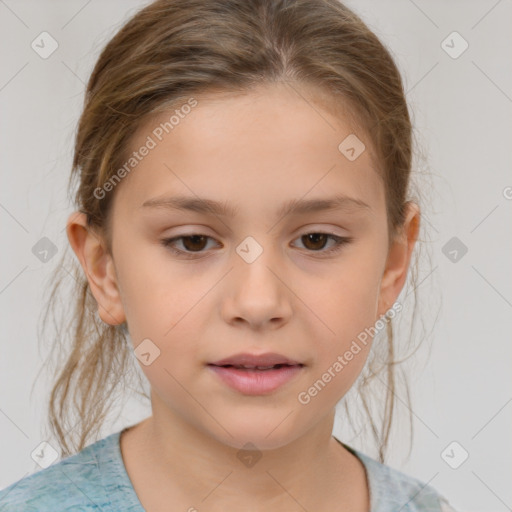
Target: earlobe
x,y
398,260
97,264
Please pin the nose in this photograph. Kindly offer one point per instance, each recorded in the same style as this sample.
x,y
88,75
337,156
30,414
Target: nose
x,y
257,294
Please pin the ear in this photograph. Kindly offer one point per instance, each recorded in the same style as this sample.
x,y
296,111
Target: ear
x,y
398,260
91,250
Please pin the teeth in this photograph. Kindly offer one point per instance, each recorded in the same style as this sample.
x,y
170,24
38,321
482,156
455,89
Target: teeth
x,y
247,367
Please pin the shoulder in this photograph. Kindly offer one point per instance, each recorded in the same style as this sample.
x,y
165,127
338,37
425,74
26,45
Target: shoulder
x,y
73,483
392,490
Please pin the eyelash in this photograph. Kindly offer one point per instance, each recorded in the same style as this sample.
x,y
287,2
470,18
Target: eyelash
x,y
340,241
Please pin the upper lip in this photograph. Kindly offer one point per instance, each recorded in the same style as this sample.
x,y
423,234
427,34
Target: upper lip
x,y
245,359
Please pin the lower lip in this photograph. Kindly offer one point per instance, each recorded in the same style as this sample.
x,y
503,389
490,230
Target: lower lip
x,y
256,382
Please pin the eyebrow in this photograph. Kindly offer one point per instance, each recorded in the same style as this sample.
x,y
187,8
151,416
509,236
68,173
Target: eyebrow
x,y
295,206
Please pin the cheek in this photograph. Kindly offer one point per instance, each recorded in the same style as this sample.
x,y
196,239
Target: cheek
x,y
167,309
345,303
156,295
346,306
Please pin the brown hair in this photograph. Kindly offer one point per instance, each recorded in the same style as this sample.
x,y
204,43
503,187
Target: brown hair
x,y
172,50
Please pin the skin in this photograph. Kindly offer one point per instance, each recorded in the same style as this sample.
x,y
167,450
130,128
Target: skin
x,y
254,151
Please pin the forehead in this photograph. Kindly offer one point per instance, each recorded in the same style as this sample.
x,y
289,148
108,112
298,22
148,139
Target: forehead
x,y
265,147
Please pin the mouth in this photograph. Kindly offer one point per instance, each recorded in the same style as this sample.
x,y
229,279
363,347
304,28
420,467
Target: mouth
x,y
256,368
268,360
256,375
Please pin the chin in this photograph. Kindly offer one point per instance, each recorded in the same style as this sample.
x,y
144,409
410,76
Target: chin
x,y
263,430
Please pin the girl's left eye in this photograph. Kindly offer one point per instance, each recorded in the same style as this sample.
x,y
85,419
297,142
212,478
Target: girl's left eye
x,y
195,243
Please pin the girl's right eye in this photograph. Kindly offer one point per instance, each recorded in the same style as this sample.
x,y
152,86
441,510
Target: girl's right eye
x,y
195,245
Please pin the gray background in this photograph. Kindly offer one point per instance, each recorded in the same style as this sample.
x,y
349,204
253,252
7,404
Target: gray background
x,y
462,112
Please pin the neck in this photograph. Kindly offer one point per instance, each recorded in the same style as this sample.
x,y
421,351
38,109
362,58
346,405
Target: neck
x,y
312,472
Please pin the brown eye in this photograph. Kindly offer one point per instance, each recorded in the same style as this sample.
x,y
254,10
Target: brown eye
x,y
195,242
191,244
315,241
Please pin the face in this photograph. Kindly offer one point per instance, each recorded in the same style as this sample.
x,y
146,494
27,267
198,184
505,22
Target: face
x,y
196,287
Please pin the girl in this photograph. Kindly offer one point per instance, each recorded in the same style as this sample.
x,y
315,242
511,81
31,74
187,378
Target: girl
x,y
244,230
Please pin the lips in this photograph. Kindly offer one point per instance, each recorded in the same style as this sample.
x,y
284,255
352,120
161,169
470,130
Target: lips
x,y
260,362
252,374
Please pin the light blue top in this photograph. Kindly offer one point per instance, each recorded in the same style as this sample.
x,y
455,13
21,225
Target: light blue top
x,y
96,479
